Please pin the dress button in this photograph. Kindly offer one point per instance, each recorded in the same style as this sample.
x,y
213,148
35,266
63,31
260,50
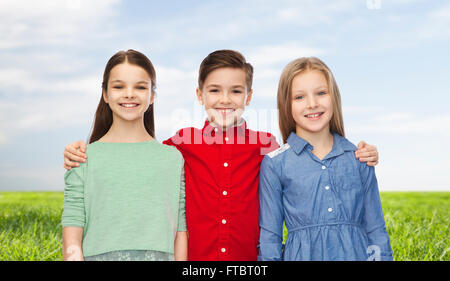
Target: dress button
x,y
215,130
224,221
224,193
323,167
225,164
330,210
226,138
327,187
223,250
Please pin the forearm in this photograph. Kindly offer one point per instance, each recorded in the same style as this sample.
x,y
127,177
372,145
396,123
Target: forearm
x,y
72,238
181,246
270,246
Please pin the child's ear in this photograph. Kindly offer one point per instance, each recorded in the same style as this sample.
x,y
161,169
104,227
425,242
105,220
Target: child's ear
x,y
249,97
152,98
199,95
105,97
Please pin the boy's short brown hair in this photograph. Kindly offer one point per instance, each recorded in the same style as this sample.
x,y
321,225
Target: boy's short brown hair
x,y
225,58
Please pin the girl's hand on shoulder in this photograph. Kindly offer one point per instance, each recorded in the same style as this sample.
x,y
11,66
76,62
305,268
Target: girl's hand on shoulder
x,y
74,154
367,153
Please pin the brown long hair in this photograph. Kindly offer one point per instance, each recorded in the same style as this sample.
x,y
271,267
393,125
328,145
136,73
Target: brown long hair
x,y
103,116
284,99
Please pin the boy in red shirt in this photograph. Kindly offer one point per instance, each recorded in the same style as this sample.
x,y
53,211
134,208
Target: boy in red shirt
x,y
222,163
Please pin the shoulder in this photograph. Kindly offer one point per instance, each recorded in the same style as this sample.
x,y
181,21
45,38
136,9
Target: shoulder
x,y
183,136
76,173
349,150
279,151
168,149
344,143
265,140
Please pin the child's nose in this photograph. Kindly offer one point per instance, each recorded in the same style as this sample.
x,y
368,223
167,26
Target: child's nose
x,y
312,103
129,93
225,97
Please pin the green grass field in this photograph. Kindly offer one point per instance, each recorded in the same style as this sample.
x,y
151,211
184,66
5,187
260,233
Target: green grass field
x,y
417,222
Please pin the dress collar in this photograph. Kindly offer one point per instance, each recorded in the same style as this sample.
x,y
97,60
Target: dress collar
x,y
340,144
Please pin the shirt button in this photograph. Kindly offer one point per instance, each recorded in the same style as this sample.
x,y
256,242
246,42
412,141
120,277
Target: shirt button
x,y
223,250
215,130
330,210
327,187
225,164
323,167
226,138
224,193
224,221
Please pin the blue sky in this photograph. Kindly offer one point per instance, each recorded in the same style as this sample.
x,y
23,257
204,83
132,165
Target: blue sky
x,y
390,60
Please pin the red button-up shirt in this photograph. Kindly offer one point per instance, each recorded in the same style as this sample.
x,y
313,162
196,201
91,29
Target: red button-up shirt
x,y
221,177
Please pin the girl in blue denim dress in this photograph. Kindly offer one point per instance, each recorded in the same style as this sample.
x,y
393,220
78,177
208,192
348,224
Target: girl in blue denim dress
x,y
313,183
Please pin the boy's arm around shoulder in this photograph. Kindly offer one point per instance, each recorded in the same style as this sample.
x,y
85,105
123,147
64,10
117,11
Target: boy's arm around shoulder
x,y
373,218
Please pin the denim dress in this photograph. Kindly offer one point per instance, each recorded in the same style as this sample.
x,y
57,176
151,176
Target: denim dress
x,y
331,207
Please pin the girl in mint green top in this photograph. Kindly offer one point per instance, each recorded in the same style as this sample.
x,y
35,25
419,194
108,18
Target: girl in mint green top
x,y
126,202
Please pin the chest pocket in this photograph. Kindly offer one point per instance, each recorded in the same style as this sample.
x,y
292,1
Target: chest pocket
x,y
347,179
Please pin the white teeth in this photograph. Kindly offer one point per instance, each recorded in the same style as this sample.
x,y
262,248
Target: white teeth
x,y
128,104
313,115
226,110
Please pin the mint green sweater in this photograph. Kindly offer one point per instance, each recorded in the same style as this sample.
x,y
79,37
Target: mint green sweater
x,y
127,196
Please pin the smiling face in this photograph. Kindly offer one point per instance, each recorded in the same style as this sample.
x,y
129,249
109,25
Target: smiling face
x,y
129,92
312,106
225,95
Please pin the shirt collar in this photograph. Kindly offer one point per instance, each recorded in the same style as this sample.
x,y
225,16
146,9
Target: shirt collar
x,y
340,144
296,143
210,130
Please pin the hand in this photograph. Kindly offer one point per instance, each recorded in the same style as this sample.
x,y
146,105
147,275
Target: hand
x,y
367,153
73,154
74,253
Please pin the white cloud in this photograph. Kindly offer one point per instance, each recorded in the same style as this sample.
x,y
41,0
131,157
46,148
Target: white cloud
x,y
282,53
400,123
313,12
26,23
435,24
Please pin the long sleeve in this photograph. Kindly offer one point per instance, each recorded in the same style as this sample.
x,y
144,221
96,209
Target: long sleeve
x,y
73,204
373,219
270,214
182,206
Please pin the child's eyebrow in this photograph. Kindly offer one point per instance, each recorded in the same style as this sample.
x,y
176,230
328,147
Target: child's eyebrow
x,y
213,86
322,87
120,81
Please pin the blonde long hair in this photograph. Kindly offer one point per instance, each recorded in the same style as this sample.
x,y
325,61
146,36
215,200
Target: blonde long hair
x,y
284,97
